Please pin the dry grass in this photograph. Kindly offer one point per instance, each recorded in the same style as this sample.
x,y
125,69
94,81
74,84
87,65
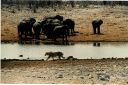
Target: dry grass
x,y
114,28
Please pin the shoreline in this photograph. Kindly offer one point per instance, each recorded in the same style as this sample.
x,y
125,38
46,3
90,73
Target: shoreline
x,y
112,58
15,41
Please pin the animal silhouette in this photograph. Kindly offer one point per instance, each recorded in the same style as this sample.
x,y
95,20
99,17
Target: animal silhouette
x,y
52,55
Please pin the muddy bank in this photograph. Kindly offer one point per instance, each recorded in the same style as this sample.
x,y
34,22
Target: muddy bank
x,y
83,71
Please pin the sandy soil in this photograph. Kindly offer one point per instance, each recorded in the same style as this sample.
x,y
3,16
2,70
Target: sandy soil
x,y
114,27
106,71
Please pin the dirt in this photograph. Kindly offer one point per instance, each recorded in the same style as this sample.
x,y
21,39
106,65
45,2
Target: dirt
x,y
114,27
87,71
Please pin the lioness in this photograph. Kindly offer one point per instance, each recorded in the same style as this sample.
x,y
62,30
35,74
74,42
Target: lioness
x,y
54,54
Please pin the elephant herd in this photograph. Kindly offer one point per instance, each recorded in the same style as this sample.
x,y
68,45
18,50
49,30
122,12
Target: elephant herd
x,y
52,27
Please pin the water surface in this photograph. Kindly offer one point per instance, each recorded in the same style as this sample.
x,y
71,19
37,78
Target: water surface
x,y
83,50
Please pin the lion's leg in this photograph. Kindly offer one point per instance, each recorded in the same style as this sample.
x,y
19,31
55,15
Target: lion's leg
x,y
48,57
53,57
62,57
59,57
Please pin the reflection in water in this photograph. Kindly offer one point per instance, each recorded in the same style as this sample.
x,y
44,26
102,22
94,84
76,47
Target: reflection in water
x,y
96,44
38,42
32,42
83,50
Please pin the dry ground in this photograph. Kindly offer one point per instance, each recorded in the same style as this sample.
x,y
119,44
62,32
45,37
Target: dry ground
x,y
114,28
65,72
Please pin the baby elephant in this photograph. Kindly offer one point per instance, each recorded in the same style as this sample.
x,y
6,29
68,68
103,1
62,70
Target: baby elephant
x,y
52,55
96,26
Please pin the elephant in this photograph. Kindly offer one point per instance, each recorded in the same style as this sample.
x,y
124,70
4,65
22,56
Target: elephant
x,y
25,27
54,17
96,26
49,21
56,30
22,28
37,29
48,30
60,31
71,25
31,22
53,27
48,24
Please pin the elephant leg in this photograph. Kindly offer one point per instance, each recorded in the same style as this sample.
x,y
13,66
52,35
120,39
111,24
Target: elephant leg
x,y
63,38
54,38
30,32
72,31
94,30
68,32
37,36
99,30
25,34
66,37
52,57
20,35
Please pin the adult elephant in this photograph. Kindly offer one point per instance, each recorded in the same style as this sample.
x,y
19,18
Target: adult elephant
x,y
71,25
22,29
25,27
60,31
49,28
96,26
51,20
54,17
37,29
31,21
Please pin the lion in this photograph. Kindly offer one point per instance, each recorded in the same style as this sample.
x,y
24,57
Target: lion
x,y
54,54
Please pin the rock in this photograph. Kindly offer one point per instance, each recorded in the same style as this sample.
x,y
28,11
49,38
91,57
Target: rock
x,y
42,59
20,55
60,76
28,58
82,77
103,77
71,58
4,58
